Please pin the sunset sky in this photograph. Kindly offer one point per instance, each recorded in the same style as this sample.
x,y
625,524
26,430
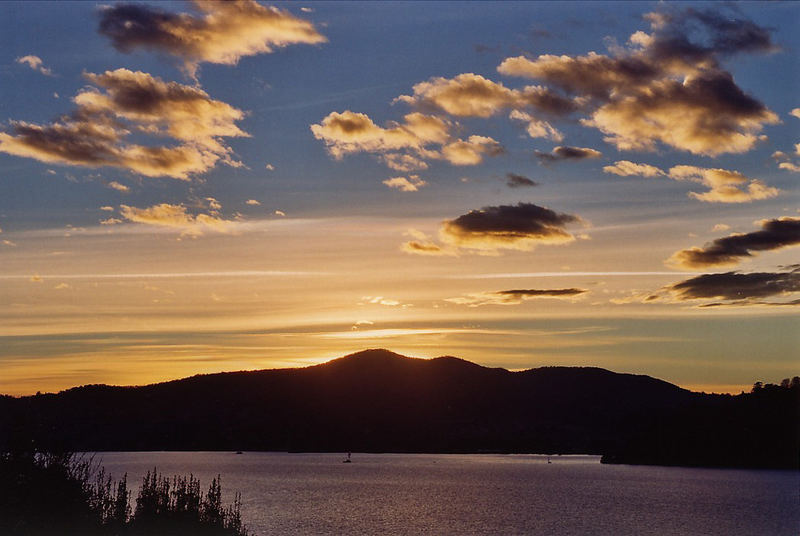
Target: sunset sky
x,y
199,187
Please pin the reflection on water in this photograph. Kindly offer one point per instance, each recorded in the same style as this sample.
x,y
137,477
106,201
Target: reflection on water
x,y
481,494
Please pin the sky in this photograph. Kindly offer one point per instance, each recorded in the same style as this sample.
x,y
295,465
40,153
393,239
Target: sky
x,y
189,188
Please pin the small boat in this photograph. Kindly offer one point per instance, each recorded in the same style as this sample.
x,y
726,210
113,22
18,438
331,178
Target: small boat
x,y
238,452
347,460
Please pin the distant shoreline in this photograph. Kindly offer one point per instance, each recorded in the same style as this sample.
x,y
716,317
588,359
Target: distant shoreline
x,y
377,401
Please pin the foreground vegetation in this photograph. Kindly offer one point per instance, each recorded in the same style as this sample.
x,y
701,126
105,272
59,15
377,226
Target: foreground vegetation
x,y
46,494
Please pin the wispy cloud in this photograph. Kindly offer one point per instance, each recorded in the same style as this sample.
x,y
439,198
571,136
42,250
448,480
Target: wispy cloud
x,y
178,275
515,297
177,217
513,275
409,332
114,185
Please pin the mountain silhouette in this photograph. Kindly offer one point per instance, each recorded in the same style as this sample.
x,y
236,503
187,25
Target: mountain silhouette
x,y
380,401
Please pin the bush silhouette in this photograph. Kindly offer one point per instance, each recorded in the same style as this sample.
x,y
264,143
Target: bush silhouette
x,y
49,494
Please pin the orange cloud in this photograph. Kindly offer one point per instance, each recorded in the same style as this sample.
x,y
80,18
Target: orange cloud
x,y
536,127
411,184
177,217
471,151
626,168
667,86
725,186
94,134
706,114
424,245
222,33
349,132
472,95
785,161
402,146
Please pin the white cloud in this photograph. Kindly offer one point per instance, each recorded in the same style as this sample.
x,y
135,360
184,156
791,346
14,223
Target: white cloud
x,y
35,63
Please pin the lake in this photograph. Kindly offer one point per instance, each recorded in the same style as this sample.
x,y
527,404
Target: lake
x,y
446,494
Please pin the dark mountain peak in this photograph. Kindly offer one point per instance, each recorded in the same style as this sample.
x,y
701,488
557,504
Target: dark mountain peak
x,y
449,362
377,354
381,361
369,357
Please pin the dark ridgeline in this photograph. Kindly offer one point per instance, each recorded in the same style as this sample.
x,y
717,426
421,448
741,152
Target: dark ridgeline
x,y
379,401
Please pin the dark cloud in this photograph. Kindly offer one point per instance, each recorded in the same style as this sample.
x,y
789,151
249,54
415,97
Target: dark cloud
x,y
519,226
532,293
774,234
130,26
568,153
737,286
222,32
515,297
540,33
514,180
749,303
703,35
480,48
490,229
424,248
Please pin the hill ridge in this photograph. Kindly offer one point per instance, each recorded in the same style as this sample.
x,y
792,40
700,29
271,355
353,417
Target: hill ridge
x,y
368,356
380,401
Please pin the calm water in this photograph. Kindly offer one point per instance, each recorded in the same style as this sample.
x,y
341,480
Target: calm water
x,y
482,494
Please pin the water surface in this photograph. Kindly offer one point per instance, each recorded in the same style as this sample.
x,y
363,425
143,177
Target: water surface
x,y
482,494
